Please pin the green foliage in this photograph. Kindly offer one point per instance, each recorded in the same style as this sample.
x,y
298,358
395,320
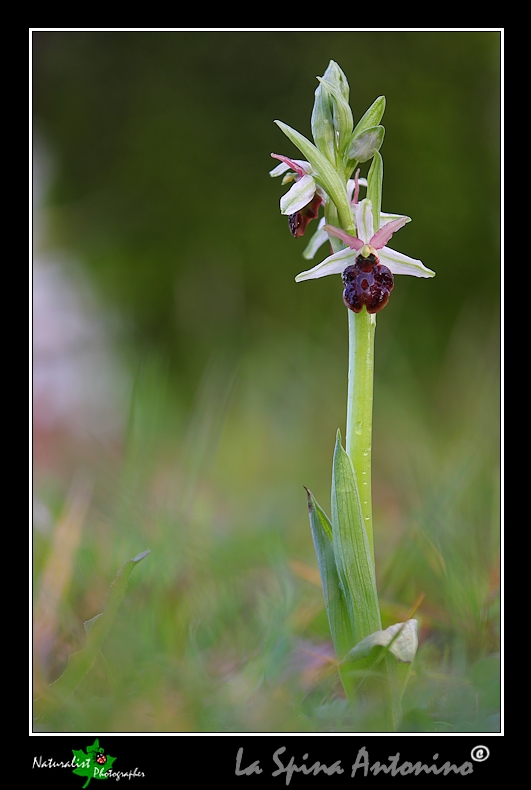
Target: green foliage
x,y
347,575
226,629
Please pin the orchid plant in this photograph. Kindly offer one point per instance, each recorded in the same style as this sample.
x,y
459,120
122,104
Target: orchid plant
x,y
374,663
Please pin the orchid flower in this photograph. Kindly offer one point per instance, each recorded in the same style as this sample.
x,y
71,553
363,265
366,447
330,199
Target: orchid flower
x,y
396,262
301,203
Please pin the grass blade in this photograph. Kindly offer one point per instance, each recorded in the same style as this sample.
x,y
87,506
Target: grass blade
x,y
97,630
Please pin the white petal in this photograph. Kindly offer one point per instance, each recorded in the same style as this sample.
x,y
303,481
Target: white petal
x,y
279,169
334,264
304,164
298,196
385,218
403,264
319,238
364,221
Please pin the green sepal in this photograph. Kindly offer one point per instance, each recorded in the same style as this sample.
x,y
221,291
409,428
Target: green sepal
x,y
324,174
351,547
375,187
369,121
372,117
97,629
323,124
341,113
324,120
362,148
337,609
335,74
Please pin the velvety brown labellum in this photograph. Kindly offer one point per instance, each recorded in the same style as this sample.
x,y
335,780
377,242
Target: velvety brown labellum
x,y
367,282
298,222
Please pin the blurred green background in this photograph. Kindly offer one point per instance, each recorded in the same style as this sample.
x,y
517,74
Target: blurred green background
x,y
186,388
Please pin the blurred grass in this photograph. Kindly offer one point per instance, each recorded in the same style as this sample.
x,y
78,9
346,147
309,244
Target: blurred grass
x,y
160,150
223,627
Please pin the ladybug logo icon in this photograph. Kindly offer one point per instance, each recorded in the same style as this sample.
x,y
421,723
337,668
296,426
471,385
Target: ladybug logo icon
x,y
101,759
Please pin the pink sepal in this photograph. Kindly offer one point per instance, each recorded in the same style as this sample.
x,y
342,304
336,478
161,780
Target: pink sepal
x,y
351,241
382,236
291,163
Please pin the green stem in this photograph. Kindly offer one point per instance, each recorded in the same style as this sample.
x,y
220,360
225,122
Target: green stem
x,y
361,329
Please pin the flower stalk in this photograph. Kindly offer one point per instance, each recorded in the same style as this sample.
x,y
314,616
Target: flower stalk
x,y
373,663
361,332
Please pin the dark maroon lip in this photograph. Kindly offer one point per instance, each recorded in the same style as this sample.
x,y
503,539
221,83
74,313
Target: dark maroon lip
x,y
367,283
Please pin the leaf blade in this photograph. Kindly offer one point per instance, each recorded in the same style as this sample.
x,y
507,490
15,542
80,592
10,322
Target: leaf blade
x,y
339,616
351,546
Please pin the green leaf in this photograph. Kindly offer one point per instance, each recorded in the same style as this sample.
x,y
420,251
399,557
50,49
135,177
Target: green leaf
x,y
351,547
324,174
339,617
80,663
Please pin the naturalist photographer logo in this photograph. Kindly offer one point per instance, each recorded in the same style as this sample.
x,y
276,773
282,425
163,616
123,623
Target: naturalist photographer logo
x,y
94,764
